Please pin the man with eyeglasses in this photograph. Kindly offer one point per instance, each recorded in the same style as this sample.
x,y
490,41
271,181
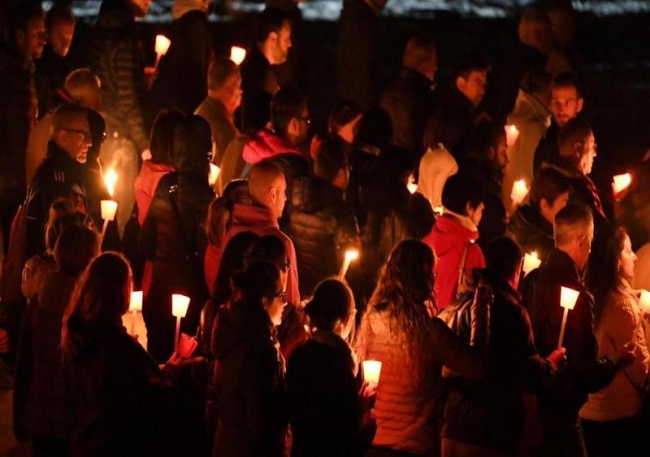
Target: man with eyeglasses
x,y
61,174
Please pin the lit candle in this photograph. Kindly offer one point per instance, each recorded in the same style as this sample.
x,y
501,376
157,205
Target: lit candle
x,y
237,54
644,301
110,178
621,182
109,208
519,191
512,133
439,210
162,46
568,299
531,261
412,185
180,303
214,174
371,372
134,307
350,255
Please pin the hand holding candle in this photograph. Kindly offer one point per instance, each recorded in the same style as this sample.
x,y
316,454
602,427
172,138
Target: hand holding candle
x,y
350,255
371,372
180,303
237,54
568,299
134,307
531,262
519,191
512,134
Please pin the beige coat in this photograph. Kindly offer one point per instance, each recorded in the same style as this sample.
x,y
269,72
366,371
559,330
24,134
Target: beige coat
x,y
621,322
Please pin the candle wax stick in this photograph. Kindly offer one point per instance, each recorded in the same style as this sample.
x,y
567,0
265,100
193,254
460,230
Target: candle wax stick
x,y
563,328
344,268
178,334
134,315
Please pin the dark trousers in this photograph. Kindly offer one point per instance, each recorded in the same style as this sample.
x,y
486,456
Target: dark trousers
x,y
562,437
610,438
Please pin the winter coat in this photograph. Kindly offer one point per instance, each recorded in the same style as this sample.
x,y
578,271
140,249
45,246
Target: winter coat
x,y
115,397
183,72
175,241
364,163
39,408
621,322
436,166
547,149
531,119
222,126
585,371
258,75
117,60
406,409
50,74
146,184
448,239
250,386
39,136
266,144
58,176
324,407
321,226
410,101
533,233
493,221
490,413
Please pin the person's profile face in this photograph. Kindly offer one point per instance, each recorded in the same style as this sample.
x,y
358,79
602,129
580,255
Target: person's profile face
x,y
280,197
282,44
32,40
588,155
61,37
626,259
473,87
234,91
76,138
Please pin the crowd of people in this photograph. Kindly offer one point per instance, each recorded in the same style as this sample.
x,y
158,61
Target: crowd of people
x,y
481,355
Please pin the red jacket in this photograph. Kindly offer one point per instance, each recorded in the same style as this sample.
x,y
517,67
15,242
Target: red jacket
x,y
448,238
264,145
145,185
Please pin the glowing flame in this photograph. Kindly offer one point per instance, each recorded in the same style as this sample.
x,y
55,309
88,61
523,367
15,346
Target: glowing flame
x,y
621,182
412,185
214,174
237,54
519,191
110,178
162,44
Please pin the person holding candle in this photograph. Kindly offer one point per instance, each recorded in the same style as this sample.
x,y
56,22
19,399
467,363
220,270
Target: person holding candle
x,y
113,387
39,407
321,381
486,417
249,372
586,372
397,330
532,224
613,418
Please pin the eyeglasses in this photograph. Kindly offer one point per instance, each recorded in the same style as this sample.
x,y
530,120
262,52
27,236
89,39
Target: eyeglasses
x,y
84,133
281,294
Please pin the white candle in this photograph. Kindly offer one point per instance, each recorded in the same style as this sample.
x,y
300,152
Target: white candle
x,y
439,210
371,371
621,182
644,301
214,174
568,299
412,185
162,46
237,54
350,255
512,133
180,303
109,208
134,306
519,191
531,261
110,178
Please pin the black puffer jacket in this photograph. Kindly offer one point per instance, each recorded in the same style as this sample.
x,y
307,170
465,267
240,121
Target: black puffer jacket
x,y
533,233
249,381
176,243
322,226
118,61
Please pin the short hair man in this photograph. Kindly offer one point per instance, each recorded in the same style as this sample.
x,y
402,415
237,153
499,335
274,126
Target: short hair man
x,y
272,43
559,402
566,103
532,224
408,99
61,174
218,108
267,187
458,110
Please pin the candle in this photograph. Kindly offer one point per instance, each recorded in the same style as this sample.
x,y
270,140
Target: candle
x,y
180,303
531,261
109,208
568,299
162,46
412,185
134,306
214,174
519,191
110,178
371,372
439,210
644,301
512,133
621,182
350,255
237,54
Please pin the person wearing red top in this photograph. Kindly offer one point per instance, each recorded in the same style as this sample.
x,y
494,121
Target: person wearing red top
x,y
454,235
267,187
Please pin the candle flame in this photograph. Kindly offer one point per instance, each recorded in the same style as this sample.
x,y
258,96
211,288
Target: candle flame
x,y
351,254
110,178
519,191
162,44
644,301
622,182
136,301
237,54
214,174
512,133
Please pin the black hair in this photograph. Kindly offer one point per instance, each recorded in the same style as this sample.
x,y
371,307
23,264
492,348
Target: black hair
x,y
331,302
270,20
460,189
331,156
287,103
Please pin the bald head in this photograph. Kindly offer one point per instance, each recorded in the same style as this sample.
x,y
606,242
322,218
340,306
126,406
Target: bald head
x,y
268,187
84,87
